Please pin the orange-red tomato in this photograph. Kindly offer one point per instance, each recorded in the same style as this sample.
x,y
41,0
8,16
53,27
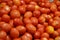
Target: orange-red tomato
x,y
42,4
22,9
55,34
1,39
6,27
0,19
36,13
40,26
31,28
58,30
53,7
36,1
57,38
34,20
27,36
48,4
10,3
17,21
14,33
51,21
33,3
37,35
46,35
8,38
3,34
50,29
15,14
30,7
7,8
3,4
57,13
45,24
5,18
44,38
28,14
42,19
2,12
45,10
36,39
17,39
14,7
37,7
41,30
21,29
58,7
11,23
58,3
22,2
27,1
1,23
16,2
27,20
51,39
56,24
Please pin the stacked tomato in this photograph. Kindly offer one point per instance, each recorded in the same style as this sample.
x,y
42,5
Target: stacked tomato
x,y
29,20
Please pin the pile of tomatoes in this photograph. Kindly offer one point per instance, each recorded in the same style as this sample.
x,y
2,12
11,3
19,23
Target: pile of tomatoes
x,y
29,20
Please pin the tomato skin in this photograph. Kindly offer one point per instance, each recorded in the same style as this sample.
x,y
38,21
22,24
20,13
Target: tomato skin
x,y
16,2
45,10
31,28
22,9
51,39
37,35
14,7
46,35
28,14
42,19
0,19
57,3
21,29
30,7
58,7
34,20
50,29
2,12
27,36
17,21
55,34
36,13
5,18
3,34
53,8
58,30
41,30
15,14
27,20
14,33
56,24
33,3
37,7
36,39
8,37
17,39
27,1
57,38
6,27
44,38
